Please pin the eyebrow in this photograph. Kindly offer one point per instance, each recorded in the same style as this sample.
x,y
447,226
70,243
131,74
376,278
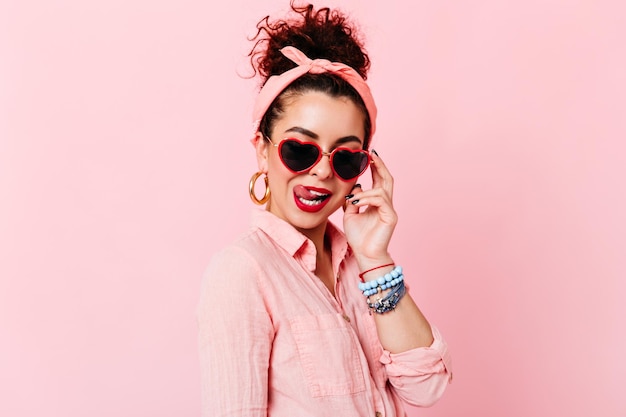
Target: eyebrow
x,y
313,135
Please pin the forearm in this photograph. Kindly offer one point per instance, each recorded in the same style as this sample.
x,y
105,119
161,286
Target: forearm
x,y
403,328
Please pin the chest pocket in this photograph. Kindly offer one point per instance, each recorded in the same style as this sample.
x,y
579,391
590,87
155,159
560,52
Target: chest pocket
x,y
329,354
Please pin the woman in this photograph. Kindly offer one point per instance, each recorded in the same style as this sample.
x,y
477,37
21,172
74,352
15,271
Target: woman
x,y
296,318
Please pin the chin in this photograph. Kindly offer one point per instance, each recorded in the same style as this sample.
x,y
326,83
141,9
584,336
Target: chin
x,y
310,220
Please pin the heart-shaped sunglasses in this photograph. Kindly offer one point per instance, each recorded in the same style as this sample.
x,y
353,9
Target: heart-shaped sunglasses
x,y
299,156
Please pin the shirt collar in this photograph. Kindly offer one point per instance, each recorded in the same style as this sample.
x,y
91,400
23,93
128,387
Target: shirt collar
x,y
295,243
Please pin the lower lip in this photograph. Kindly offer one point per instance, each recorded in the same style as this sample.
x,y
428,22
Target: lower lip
x,y
310,209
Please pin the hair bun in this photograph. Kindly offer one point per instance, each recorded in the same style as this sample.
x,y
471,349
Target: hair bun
x,y
322,33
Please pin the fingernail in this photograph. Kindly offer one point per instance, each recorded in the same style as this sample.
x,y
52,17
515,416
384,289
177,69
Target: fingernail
x,y
374,152
356,186
349,196
355,201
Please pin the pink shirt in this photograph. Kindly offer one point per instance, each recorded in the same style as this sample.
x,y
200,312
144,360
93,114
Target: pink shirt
x,y
274,341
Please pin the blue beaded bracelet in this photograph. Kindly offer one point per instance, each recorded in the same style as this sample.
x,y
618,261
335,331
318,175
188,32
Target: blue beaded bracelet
x,y
387,285
387,281
389,302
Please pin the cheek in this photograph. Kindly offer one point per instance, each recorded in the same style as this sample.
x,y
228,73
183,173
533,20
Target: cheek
x,y
275,165
347,188
278,172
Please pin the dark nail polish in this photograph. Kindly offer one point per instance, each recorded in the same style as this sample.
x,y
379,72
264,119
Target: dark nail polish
x,y
356,186
355,201
374,152
349,196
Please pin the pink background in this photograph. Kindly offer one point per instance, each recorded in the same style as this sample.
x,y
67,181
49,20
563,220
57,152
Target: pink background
x,y
124,164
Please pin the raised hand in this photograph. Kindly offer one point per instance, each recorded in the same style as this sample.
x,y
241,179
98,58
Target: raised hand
x,y
370,219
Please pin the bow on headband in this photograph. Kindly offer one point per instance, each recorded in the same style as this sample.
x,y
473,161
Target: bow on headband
x,y
277,83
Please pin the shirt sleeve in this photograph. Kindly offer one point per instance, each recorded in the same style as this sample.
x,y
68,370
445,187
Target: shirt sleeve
x,y
235,337
420,376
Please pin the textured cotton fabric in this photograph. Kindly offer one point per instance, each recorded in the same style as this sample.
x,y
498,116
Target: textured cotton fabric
x,y
273,341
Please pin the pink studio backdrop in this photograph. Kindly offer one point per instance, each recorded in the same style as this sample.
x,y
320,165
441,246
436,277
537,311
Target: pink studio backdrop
x,y
124,164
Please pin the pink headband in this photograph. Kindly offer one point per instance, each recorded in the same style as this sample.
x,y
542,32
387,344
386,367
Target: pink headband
x,y
277,83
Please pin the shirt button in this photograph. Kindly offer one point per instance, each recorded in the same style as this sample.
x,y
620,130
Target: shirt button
x,y
346,318
379,414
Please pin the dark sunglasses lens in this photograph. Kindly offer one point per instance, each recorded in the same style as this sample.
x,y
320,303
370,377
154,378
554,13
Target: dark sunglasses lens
x,y
298,156
349,165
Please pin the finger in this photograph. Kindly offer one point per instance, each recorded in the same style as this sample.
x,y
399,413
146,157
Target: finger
x,y
375,196
356,189
358,195
375,201
350,207
381,177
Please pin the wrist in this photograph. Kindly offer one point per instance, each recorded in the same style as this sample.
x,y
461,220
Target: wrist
x,y
374,267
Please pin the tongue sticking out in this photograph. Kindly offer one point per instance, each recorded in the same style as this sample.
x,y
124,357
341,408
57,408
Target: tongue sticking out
x,y
302,192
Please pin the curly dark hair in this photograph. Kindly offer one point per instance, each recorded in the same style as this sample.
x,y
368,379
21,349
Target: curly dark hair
x,y
322,33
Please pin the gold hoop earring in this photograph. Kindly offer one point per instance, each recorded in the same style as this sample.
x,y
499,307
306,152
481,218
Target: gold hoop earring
x,y
253,196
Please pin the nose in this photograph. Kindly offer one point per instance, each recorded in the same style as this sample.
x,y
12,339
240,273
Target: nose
x,y
322,169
